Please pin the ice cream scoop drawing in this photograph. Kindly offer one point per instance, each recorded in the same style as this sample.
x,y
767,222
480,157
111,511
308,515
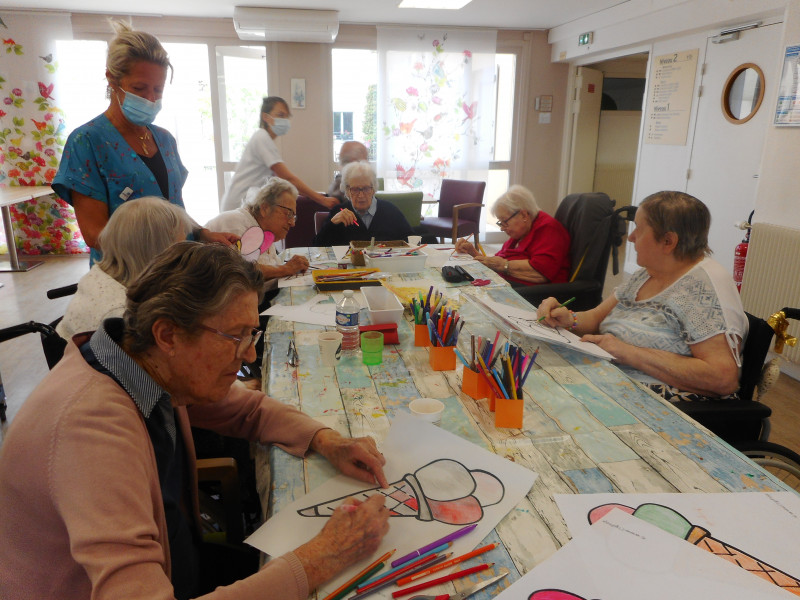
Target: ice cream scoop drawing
x,y
444,490
675,523
254,242
553,595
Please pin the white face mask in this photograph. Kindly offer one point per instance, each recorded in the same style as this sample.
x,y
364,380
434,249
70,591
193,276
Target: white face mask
x,y
280,126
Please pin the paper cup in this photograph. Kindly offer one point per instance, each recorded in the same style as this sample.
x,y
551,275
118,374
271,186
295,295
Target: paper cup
x,y
414,240
330,347
427,409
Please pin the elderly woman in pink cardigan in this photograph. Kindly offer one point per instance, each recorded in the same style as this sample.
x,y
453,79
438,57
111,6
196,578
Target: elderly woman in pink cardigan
x,y
99,491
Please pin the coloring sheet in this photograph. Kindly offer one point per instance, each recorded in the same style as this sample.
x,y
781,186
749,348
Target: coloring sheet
x,y
314,312
439,483
757,531
624,558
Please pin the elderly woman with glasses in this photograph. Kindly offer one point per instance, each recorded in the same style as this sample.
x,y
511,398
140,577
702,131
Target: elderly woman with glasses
x,y
99,488
273,209
537,250
362,216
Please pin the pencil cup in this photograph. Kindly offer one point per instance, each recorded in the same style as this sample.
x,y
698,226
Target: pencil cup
x,y
508,413
492,400
443,358
422,335
474,385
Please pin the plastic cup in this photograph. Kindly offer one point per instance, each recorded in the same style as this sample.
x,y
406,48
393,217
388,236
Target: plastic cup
x,y
330,347
427,409
372,347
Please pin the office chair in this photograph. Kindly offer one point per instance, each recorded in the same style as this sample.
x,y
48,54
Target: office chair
x,y
595,228
460,204
744,423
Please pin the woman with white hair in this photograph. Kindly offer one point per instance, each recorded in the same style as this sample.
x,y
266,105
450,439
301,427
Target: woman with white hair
x,y
362,216
274,210
537,250
136,232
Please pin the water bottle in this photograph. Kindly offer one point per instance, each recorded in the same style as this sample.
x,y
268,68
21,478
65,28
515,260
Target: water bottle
x,y
347,323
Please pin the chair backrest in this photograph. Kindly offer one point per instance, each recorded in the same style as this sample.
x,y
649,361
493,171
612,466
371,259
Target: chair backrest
x,y
302,234
409,203
319,219
754,353
456,191
588,218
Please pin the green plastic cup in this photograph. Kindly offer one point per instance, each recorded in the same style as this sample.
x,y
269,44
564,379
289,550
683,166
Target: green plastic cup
x,y
372,347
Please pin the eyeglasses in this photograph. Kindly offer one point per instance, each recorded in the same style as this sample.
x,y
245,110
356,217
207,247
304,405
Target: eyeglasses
x,y
243,343
504,222
290,214
360,190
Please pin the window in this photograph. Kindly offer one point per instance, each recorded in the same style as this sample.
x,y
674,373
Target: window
x,y
500,167
353,89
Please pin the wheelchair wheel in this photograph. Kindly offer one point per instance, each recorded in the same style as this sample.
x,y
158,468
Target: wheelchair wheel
x,y
778,460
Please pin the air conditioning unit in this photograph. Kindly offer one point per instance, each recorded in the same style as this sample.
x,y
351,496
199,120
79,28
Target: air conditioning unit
x,y
286,24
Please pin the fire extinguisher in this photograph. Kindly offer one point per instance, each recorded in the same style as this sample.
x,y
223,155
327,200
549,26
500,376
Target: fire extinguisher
x,y
740,253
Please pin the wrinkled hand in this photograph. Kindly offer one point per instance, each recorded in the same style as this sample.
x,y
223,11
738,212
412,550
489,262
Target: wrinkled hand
x,y
555,315
327,201
355,457
297,264
344,217
611,344
219,237
465,247
495,263
353,532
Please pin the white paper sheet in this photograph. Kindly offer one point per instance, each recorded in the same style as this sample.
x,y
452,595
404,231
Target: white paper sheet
x,y
765,526
624,558
339,252
439,258
526,321
410,447
296,280
313,312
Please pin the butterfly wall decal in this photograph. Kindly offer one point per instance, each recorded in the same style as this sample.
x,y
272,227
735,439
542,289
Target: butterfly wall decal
x,y
404,176
46,90
469,109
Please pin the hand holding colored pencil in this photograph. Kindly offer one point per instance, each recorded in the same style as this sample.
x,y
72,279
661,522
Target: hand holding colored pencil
x,y
542,318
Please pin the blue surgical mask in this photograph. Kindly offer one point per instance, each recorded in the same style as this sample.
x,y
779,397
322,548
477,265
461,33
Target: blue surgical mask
x,y
138,110
280,126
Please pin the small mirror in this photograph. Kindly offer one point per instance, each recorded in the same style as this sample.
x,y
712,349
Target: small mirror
x,y
743,93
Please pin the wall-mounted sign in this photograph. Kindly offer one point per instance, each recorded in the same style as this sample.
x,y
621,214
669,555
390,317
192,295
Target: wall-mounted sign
x,y
669,101
788,110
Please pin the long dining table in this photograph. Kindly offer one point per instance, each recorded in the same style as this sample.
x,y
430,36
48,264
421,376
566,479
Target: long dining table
x,y
587,427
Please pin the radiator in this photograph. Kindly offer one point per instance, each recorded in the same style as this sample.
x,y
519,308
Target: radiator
x,y
772,276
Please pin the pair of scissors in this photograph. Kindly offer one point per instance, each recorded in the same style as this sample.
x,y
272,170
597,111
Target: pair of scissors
x,y
481,282
467,592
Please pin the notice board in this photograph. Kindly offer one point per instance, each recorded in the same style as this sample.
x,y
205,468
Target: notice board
x,y
669,103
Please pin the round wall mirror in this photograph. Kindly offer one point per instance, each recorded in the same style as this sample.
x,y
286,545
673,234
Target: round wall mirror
x,y
743,93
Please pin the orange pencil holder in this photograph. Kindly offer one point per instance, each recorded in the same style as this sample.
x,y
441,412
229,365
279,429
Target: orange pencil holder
x,y
474,385
421,335
508,413
443,358
492,400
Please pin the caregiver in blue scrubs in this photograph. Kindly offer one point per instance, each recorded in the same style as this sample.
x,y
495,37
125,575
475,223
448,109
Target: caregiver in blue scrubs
x,y
120,155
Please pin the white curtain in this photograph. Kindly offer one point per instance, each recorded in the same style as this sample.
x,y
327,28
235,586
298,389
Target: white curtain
x,y
436,106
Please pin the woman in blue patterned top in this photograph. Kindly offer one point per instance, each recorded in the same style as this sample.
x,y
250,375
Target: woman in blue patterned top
x,y
677,325
120,155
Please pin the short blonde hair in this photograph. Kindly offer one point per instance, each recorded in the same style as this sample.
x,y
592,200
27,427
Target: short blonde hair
x,y
136,232
129,47
517,197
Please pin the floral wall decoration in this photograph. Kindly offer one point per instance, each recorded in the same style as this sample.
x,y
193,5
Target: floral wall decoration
x,y
436,106
32,131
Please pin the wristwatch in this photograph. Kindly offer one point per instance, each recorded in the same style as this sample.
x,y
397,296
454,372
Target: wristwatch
x,y
505,267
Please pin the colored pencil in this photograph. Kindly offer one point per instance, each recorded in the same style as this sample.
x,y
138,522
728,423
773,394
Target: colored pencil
x,y
360,576
448,538
445,579
540,319
393,580
448,563
404,567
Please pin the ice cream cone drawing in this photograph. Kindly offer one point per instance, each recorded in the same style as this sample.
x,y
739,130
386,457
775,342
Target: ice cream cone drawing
x,y
443,490
554,595
254,242
675,523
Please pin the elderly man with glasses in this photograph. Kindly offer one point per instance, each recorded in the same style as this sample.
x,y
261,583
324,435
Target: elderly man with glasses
x,y
362,216
537,250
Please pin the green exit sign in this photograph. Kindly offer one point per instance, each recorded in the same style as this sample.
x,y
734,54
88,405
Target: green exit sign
x,y
585,38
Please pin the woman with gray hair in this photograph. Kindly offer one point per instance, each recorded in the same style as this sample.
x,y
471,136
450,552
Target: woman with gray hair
x,y
136,232
273,209
103,481
537,250
362,216
120,155
677,325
